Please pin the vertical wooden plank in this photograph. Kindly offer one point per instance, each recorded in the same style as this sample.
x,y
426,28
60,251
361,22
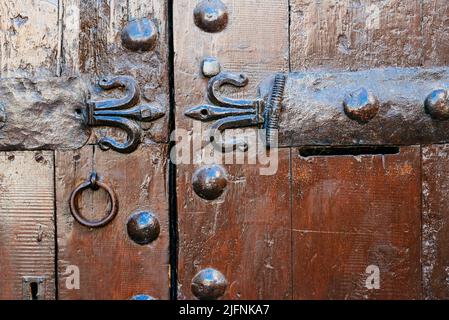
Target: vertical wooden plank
x,y
244,234
26,222
355,34
435,222
92,46
435,165
250,44
111,265
435,27
350,213
29,38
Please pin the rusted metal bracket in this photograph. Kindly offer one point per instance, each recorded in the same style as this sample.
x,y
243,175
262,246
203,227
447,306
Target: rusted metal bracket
x,y
228,113
389,106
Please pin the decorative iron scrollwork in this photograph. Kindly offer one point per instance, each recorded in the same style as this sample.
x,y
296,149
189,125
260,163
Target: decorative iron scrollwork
x,y
122,113
231,113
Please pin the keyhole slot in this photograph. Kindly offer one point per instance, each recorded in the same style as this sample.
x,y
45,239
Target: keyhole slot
x,y
34,290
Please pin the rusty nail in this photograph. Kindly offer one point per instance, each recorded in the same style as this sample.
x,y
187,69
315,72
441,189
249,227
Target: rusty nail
x,y
210,182
437,105
361,106
209,284
143,227
211,15
39,157
139,35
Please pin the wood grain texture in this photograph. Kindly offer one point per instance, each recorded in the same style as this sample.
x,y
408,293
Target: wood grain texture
x,y
435,222
27,231
245,234
435,165
435,26
250,44
29,38
353,212
111,265
355,34
92,45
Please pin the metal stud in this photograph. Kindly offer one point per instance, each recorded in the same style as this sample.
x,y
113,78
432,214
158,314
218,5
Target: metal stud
x,y
210,67
209,284
437,105
211,16
139,35
142,297
209,182
361,106
143,227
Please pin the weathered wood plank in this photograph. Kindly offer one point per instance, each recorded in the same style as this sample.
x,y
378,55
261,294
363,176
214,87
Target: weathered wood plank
x,y
245,234
111,265
435,165
435,29
92,45
29,38
355,34
435,221
250,44
27,230
350,213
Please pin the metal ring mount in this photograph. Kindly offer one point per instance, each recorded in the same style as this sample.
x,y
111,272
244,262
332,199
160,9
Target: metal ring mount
x,y
95,184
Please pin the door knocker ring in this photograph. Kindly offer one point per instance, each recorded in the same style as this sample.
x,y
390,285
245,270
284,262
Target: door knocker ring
x,y
94,184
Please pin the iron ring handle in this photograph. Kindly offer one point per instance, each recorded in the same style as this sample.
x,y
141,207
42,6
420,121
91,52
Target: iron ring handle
x,y
94,184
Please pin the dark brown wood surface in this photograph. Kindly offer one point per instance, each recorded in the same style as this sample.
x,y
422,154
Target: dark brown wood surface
x,y
308,232
245,234
350,213
353,36
92,47
111,265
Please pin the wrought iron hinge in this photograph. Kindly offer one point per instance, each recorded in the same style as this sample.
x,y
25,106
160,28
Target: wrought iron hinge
x,y
123,113
229,113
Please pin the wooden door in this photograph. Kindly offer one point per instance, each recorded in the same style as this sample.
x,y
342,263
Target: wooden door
x,y
355,210
57,58
112,188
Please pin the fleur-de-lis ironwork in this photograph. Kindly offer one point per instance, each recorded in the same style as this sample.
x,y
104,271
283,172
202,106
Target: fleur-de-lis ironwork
x,y
231,113
121,112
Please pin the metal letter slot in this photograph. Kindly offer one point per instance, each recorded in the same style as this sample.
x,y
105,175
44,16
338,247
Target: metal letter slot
x,y
390,106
